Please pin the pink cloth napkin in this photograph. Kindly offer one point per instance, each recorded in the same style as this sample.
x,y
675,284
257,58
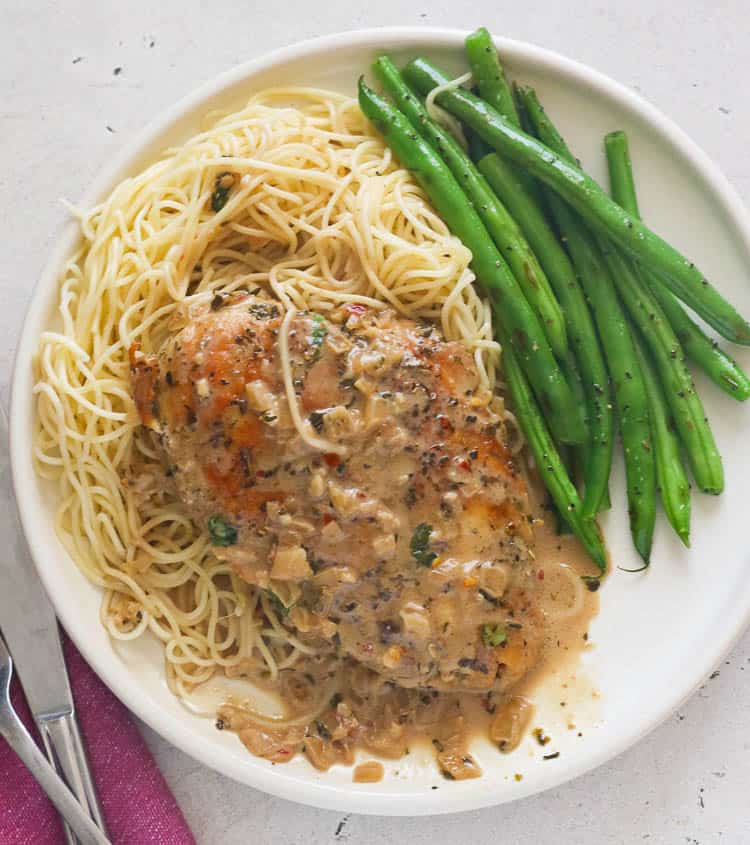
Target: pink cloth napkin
x,y
138,807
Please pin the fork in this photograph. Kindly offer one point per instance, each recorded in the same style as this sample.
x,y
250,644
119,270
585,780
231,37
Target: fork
x,y
19,739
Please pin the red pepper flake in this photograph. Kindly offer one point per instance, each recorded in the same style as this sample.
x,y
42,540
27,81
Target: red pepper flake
x,y
540,575
327,517
464,465
444,422
355,308
331,459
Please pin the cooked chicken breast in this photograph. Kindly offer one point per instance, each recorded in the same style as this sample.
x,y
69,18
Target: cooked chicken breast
x,y
388,521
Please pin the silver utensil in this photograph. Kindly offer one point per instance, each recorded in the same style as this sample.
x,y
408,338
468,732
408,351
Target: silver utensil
x,y
19,739
29,627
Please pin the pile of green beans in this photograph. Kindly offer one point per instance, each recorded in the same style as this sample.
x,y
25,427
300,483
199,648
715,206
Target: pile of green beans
x,y
585,297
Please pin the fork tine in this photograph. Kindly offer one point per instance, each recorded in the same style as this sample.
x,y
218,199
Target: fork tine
x,y
6,670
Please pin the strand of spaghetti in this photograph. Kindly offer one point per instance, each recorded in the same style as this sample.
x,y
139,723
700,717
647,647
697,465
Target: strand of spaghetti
x,y
267,655
303,719
253,164
69,343
440,115
303,426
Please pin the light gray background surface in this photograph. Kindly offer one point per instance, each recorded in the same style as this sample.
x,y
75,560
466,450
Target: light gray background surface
x,y
64,110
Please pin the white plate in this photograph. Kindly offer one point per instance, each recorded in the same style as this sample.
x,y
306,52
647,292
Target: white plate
x,y
658,634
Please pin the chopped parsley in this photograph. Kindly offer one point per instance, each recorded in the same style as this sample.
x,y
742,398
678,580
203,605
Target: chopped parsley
x,y
420,540
318,334
493,635
221,192
221,531
278,605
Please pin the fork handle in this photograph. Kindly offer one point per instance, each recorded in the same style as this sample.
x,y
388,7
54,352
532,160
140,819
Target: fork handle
x,y
19,739
65,751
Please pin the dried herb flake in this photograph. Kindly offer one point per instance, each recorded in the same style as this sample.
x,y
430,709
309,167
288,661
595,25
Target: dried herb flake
x,y
420,540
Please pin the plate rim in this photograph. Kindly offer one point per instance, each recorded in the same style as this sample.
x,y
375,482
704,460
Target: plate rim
x,y
274,781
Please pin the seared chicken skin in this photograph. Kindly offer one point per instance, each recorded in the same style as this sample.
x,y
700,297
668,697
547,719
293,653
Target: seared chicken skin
x,y
394,527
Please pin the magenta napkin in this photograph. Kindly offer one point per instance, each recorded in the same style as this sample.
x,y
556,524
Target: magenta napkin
x,y
135,798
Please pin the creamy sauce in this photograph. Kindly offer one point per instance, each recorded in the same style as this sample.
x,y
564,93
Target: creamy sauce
x,y
559,557
447,722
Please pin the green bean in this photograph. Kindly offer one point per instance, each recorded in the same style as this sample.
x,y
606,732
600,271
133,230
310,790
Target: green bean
x,y
671,477
488,72
591,461
502,227
589,200
548,462
477,148
506,180
577,456
493,88
723,370
573,377
518,320
543,128
620,170
566,459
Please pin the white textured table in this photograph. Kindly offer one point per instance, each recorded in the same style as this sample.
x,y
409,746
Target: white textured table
x,y
79,77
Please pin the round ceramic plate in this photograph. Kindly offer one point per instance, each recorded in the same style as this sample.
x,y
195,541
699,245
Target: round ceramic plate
x,y
658,633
